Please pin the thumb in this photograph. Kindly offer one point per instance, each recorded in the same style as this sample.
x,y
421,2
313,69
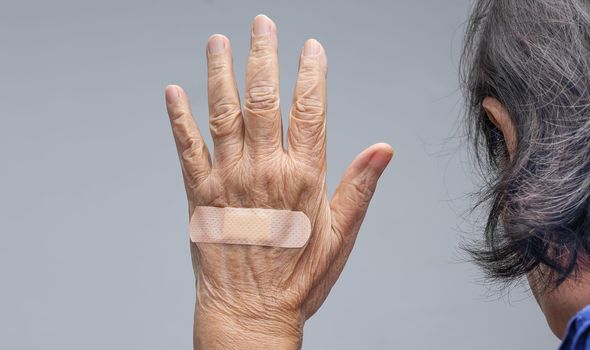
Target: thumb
x,y
348,208
353,195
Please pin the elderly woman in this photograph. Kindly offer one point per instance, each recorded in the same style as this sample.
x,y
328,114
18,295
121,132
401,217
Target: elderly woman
x,y
527,75
527,79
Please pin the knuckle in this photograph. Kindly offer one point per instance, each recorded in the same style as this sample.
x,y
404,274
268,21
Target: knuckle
x,y
363,192
262,96
309,107
225,123
225,116
309,69
261,46
224,105
218,66
310,101
178,114
194,148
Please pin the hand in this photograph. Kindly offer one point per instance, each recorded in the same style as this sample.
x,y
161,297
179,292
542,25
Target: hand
x,y
262,295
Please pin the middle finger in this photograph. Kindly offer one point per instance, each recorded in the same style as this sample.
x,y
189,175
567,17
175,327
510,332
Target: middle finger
x,y
262,114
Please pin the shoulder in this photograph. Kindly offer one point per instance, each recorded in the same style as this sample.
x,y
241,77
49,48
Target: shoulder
x,y
578,332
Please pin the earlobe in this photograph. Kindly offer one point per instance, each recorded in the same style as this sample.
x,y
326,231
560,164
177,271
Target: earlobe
x,y
498,114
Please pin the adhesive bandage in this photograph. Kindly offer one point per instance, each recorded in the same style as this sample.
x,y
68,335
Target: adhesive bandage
x,y
250,226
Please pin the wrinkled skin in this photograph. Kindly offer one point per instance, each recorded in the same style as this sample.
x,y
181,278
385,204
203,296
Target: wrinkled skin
x,y
252,296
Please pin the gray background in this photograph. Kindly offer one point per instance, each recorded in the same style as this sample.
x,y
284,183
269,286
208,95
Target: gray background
x,y
93,237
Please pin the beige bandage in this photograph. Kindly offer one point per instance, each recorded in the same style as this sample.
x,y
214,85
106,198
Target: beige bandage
x,y
250,226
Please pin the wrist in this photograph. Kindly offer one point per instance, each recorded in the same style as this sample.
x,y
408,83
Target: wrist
x,y
219,330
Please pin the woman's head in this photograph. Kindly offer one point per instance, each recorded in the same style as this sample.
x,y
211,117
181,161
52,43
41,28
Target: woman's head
x,y
526,70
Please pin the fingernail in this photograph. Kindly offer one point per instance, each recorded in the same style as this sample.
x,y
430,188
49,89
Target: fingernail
x,y
172,94
262,25
216,44
311,47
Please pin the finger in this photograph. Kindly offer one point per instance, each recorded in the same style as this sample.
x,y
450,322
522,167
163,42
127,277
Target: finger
x,y
262,114
353,195
225,116
307,119
192,151
348,208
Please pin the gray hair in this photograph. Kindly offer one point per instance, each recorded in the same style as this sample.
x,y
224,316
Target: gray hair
x,y
534,57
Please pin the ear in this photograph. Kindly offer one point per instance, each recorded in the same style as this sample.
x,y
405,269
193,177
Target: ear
x,y
498,114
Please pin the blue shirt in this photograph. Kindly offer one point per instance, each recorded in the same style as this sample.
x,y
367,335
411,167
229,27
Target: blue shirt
x,y
578,332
